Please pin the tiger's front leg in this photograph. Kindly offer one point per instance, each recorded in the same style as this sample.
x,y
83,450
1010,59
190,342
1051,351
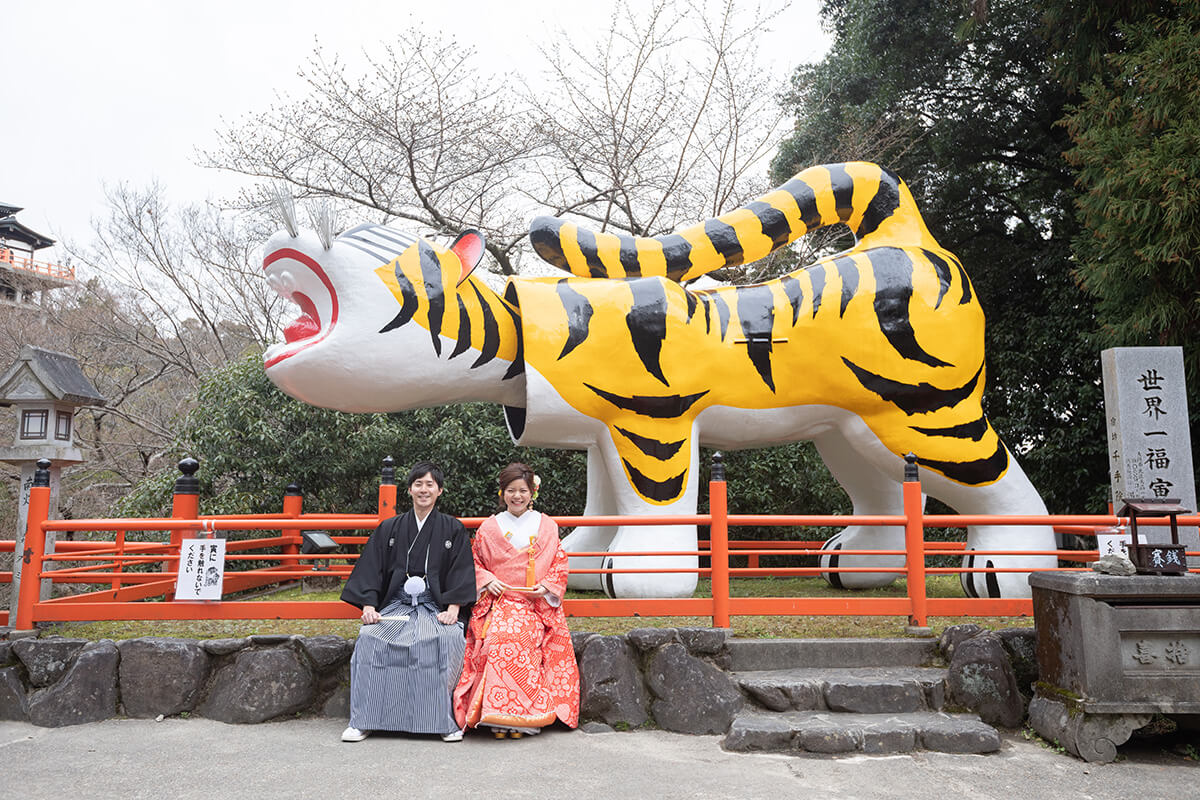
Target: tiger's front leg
x,y
633,539
592,538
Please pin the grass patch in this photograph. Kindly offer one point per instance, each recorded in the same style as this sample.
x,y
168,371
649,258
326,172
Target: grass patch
x,y
752,627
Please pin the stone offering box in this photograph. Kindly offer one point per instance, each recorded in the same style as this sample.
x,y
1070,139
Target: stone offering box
x,y
1112,651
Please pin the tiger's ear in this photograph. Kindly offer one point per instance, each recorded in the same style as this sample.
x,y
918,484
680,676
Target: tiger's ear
x,y
469,249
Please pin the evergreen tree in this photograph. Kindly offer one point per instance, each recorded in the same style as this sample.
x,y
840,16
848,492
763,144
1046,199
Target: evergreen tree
x,y
963,104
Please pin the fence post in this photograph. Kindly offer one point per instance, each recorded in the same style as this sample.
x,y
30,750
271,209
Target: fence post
x,y
293,506
914,546
387,489
185,504
719,542
35,547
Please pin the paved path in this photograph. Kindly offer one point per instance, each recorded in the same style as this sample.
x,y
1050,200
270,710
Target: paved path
x,y
197,758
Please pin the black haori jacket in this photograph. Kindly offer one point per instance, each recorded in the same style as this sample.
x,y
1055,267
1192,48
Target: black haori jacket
x,y
378,576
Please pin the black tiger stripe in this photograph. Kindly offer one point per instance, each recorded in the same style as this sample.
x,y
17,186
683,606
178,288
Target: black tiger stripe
x,y
407,308
918,398
647,323
703,298
943,272
843,191
893,292
816,274
968,430
628,255
678,254
774,223
663,451
848,272
725,241
806,201
973,473
968,578
544,235
608,579
464,330
834,578
591,254
431,274
794,293
691,304
966,282
656,406
722,313
491,331
513,307
882,205
652,489
579,315
992,581
756,310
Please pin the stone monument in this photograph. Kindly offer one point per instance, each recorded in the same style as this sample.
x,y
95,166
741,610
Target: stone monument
x,y
1149,441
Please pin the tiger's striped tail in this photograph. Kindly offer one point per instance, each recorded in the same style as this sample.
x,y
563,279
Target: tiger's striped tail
x,y
872,201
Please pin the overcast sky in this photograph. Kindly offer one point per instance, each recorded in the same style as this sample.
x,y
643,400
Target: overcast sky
x,y
128,90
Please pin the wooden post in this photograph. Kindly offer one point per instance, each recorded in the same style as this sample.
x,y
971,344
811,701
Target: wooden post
x,y
35,546
293,506
914,545
719,542
387,489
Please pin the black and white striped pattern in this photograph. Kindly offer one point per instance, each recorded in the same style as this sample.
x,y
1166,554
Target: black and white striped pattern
x,y
403,671
378,241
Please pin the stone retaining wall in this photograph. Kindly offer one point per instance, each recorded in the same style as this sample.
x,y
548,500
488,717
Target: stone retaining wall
x,y
664,676
673,678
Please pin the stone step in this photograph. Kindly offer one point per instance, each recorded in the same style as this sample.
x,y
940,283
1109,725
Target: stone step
x,y
828,732
865,690
768,654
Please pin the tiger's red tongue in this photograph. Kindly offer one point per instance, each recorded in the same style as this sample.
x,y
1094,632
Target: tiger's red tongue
x,y
307,324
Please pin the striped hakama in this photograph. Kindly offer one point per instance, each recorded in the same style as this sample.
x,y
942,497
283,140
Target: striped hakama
x,y
403,670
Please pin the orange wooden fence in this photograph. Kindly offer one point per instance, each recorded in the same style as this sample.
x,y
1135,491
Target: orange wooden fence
x,y
128,573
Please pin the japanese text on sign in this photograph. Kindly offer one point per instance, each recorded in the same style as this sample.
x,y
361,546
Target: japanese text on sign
x,y
201,569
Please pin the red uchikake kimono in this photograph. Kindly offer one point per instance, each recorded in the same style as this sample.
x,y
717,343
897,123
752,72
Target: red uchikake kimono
x,y
519,670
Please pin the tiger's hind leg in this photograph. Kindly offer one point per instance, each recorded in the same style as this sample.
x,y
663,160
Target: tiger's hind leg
x,y
872,491
1012,494
591,538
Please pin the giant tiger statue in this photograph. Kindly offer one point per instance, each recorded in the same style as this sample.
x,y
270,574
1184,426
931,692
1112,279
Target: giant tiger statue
x,y
871,354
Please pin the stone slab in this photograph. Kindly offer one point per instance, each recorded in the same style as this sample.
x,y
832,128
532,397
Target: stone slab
x,y
827,732
223,647
861,689
770,654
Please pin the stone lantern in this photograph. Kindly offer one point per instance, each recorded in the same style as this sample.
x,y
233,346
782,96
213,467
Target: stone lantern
x,y
44,388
